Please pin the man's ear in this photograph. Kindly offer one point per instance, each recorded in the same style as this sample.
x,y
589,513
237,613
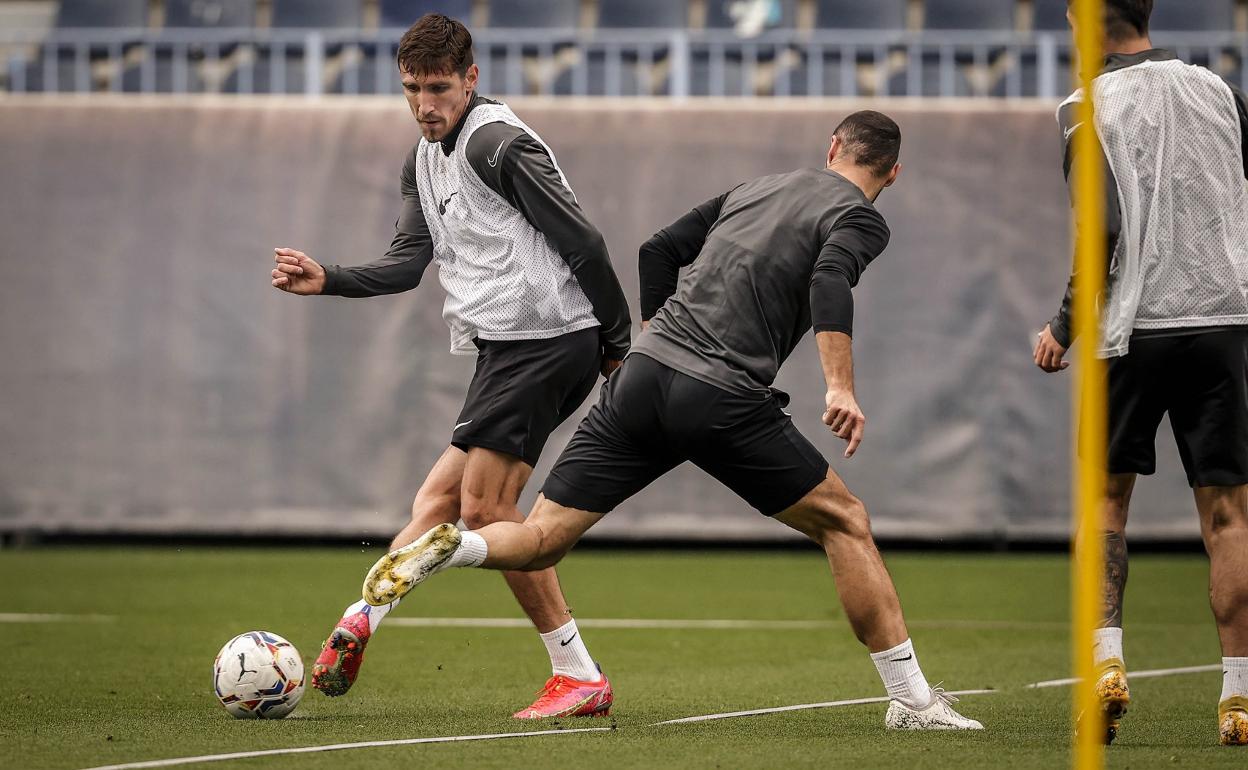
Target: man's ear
x,y
470,77
835,149
892,175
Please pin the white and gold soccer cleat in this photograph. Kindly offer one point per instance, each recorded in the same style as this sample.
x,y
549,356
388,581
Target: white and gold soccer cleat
x,y
1113,695
937,715
403,569
1233,722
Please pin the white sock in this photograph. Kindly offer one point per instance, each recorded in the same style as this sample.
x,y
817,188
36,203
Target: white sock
x,y
375,614
1234,678
1106,644
568,655
903,679
471,551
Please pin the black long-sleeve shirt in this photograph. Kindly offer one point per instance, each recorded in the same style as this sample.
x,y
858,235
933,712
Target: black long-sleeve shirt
x,y
1060,325
511,163
767,260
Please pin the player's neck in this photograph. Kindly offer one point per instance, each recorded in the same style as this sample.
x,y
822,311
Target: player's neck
x,y
1129,46
862,178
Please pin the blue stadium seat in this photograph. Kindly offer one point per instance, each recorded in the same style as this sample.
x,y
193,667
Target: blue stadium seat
x,y
858,14
35,78
1049,16
969,14
510,14
209,14
635,14
164,74
404,13
102,13
831,73
318,14
263,76
750,17
597,75
1193,16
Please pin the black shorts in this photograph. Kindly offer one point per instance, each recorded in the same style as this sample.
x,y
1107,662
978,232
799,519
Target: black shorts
x,y
651,418
522,390
1201,381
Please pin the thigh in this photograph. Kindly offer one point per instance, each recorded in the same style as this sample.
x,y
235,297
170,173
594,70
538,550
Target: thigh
x,y
618,449
754,449
1209,407
1137,402
492,483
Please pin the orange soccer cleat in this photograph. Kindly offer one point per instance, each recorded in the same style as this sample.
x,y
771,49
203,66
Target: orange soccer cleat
x,y
564,696
341,656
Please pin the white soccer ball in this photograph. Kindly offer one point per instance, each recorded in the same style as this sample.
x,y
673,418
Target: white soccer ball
x,y
258,675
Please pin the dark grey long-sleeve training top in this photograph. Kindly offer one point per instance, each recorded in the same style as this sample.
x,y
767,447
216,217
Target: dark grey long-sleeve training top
x,y
767,260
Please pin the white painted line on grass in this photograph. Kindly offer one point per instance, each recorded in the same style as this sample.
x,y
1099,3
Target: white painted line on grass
x,y
640,623
34,617
799,707
1146,674
339,747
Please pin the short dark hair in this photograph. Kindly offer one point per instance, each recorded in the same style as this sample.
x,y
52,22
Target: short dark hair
x,y
1126,19
436,45
872,139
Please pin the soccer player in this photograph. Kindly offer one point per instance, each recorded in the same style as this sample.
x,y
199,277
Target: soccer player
x,y
765,260
530,291
1175,322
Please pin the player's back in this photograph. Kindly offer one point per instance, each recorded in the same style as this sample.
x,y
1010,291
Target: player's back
x,y
744,303
1172,134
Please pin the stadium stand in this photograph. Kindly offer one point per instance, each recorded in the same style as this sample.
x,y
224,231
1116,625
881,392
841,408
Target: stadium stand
x,y
400,13
210,14
75,14
853,14
643,14
968,14
550,14
956,48
1194,16
318,14
749,18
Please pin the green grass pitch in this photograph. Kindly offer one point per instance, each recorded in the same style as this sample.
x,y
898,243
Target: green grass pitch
x,y
138,687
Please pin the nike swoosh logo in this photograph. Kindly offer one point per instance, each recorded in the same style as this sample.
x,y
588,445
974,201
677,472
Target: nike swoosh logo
x,y
568,641
493,159
442,205
1066,134
462,424
901,660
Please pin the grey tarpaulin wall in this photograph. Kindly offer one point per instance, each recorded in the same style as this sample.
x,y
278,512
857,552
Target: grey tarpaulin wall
x,y
151,381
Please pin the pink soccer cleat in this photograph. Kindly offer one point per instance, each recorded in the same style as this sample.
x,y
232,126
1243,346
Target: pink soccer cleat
x,y
341,656
567,697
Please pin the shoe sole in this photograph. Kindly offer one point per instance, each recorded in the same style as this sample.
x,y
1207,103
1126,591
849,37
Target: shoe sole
x,y
330,679
401,570
570,713
1233,729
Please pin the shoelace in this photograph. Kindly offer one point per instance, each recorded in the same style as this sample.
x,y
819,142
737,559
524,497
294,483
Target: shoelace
x,y
939,692
553,687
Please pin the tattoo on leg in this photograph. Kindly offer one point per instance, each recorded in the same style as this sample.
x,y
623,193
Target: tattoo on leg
x,y
1115,578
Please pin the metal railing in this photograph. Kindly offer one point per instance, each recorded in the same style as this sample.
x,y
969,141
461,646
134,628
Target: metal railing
x,y
614,63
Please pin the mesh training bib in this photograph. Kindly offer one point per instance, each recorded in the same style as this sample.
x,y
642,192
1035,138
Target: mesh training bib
x,y
503,279
1171,134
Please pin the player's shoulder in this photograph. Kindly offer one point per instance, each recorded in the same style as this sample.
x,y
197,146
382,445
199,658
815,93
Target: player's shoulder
x,y
492,140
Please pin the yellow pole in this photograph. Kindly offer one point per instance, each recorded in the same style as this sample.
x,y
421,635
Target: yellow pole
x,y
1090,391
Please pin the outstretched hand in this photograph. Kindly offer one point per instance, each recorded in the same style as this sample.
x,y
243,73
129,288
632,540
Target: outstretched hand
x,y
297,273
845,418
1049,352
